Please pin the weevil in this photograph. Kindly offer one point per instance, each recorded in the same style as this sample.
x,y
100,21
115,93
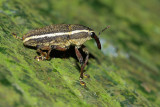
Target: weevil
x,y
61,37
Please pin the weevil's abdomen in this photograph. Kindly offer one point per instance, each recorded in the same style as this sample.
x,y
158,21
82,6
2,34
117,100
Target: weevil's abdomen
x,y
59,34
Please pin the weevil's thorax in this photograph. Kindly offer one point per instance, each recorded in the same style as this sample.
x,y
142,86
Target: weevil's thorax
x,y
62,35
81,36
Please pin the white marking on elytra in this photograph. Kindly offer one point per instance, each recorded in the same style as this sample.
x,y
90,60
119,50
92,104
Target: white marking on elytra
x,y
55,34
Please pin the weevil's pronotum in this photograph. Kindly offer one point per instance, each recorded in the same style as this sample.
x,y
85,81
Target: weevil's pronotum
x,y
61,37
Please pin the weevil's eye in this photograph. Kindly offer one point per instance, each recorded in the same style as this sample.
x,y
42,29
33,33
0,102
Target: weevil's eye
x,y
92,34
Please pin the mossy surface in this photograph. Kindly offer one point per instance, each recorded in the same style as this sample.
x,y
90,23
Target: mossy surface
x,y
125,73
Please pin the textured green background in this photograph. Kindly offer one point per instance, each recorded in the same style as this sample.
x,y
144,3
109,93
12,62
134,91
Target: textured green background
x,y
125,73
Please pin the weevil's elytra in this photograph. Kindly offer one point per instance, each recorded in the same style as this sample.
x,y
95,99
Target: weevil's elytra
x,y
61,37
61,34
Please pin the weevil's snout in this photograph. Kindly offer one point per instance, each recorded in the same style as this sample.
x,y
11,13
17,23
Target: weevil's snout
x,y
93,35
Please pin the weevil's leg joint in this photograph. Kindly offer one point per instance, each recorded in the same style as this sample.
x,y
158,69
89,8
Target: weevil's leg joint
x,y
84,49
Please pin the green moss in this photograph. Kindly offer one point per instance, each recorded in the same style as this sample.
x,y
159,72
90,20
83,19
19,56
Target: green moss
x,y
127,76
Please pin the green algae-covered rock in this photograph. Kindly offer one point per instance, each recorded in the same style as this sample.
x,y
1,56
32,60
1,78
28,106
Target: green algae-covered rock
x,y
124,73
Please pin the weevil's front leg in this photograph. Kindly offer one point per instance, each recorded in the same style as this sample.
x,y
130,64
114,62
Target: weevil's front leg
x,y
79,56
84,49
83,64
43,55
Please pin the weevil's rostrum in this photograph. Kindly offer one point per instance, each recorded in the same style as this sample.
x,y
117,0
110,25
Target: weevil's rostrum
x,y
61,37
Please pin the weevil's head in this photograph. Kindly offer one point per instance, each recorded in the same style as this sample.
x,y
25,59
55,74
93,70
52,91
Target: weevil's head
x,y
95,37
81,34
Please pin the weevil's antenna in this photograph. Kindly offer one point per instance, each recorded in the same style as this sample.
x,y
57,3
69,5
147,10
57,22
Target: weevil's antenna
x,y
15,36
104,29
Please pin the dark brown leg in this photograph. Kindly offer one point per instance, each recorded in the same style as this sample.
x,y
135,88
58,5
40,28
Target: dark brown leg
x,y
79,56
84,49
83,64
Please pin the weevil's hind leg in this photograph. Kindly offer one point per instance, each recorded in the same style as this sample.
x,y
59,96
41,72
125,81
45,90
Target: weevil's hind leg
x,y
46,55
43,55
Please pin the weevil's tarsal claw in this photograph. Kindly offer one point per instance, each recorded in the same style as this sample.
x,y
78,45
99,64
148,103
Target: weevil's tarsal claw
x,y
86,76
82,82
97,41
40,58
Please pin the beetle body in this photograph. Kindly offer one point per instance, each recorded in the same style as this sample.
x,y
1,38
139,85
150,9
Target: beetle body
x,y
61,37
